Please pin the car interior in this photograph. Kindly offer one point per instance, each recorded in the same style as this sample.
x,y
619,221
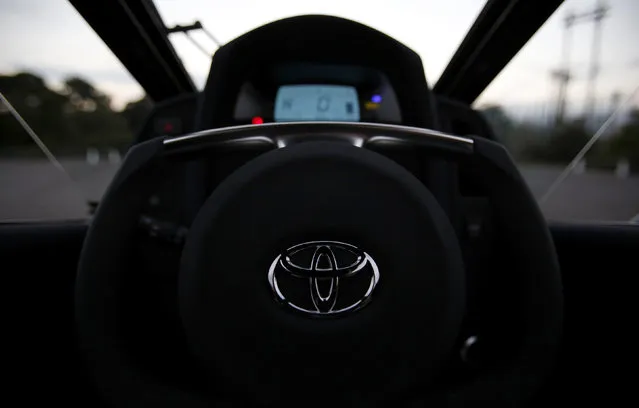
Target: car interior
x,y
189,286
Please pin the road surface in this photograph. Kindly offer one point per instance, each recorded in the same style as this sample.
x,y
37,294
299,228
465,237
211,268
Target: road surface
x,y
32,189
592,196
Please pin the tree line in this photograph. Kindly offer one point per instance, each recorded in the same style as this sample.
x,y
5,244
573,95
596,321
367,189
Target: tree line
x,y
77,116
68,120
531,142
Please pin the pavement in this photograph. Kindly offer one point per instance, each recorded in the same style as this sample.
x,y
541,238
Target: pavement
x,y
34,189
592,196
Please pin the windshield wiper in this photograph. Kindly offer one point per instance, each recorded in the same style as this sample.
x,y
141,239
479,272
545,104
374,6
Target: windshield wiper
x,y
32,134
38,141
579,157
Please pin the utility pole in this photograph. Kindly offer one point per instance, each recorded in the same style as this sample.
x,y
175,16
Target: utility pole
x,y
615,101
563,75
600,12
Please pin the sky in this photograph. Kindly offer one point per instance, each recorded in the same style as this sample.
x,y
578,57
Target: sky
x,y
50,38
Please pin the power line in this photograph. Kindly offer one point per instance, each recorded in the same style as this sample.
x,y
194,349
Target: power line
x,y
208,33
197,44
187,29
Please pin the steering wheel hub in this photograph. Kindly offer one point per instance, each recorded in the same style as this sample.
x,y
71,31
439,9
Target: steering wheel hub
x,y
240,268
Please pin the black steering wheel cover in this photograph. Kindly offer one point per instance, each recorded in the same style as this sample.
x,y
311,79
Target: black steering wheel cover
x,y
104,261
538,272
101,278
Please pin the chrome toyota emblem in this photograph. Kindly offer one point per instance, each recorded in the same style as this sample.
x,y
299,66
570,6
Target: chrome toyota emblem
x,y
323,278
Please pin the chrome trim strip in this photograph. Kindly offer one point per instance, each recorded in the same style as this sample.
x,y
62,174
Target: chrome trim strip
x,y
281,134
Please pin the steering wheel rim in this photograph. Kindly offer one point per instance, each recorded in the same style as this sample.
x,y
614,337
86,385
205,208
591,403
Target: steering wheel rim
x,y
99,273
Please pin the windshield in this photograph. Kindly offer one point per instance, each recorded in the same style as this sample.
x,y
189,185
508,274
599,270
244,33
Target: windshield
x,y
69,109
416,23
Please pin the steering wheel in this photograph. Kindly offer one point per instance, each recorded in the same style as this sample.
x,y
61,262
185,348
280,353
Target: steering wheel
x,y
320,272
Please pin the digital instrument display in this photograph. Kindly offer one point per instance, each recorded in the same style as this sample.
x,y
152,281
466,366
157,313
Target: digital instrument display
x,y
294,103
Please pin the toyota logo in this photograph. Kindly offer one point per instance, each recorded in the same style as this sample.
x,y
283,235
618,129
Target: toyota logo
x,y
323,278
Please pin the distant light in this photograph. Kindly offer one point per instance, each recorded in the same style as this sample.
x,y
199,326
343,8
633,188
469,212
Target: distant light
x,y
168,127
257,120
376,98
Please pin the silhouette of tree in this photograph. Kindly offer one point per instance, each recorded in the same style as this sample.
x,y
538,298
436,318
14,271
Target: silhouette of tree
x,y
69,120
84,96
80,115
625,144
136,113
566,141
498,119
43,109
517,137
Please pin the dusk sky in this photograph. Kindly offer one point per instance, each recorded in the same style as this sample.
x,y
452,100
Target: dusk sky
x,y
49,37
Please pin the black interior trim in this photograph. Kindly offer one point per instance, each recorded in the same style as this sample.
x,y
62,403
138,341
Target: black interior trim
x,y
39,264
460,119
597,262
180,109
134,31
498,34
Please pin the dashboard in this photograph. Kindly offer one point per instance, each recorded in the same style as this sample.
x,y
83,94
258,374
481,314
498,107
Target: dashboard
x,y
316,92
288,71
